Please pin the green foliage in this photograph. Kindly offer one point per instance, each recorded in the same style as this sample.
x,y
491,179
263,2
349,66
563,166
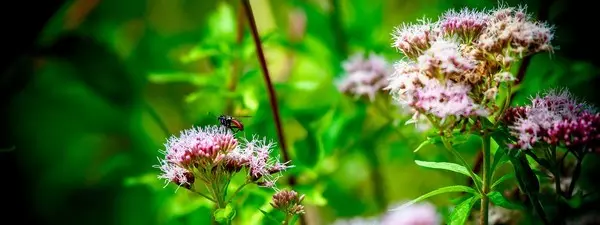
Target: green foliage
x,y
109,81
224,215
460,214
450,167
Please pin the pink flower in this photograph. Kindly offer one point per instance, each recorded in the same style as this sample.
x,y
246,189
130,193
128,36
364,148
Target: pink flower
x,y
467,23
512,28
255,155
416,214
364,76
413,39
176,174
444,60
199,145
557,118
405,81
443,100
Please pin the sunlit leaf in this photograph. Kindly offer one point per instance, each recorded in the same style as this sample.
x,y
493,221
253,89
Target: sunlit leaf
x,y
224,214
443,190
450,167
498,199
461,212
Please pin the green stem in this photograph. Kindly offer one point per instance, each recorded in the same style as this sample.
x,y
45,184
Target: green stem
x,y
461,159
576,174
483,219
204,195
286,221
236,191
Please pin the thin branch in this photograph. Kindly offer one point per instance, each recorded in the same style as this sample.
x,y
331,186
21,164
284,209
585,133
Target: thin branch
x,y
271,91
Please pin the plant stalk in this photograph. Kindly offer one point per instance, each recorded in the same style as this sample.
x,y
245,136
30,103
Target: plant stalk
x,y
462,161
483,219
271,91
269,84
575,177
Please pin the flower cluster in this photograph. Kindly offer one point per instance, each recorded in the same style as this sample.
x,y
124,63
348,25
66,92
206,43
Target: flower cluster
x,y
289,202
212,154
557,118
454,67
364,76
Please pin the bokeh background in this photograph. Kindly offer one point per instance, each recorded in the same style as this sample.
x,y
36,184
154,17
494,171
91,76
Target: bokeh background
x,y
91,88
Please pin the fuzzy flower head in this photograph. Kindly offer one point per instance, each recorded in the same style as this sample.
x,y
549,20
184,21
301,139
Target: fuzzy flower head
x,y
444,60
288,202
255,156
213,155
176,174
413,39
420,213
513,29
364,76
444,100
466,23
199,146
557,118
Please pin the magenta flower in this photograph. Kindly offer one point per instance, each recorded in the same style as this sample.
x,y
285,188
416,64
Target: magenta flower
x,y
557,118
364,77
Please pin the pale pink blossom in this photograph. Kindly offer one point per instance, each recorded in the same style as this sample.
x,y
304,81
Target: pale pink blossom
x,y
513,29
413,39
448,99
444,60
364,76
467,23
423,213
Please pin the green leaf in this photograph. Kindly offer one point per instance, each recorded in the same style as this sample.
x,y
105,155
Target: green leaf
x,y
461,212
225,214
498,199
455,188
499,158
181,77
502,179
268,216
576,201
449,166
528,181
425,142
293,220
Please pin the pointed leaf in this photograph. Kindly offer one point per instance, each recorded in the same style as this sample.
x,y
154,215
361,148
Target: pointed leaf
x,y
293,220
499,158
425,142
269,216
225,214
528,182
498,199
455,188
502,179
448,166
460,214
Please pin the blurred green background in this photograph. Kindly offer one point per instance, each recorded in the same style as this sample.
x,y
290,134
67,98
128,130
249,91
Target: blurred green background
x,y
91,89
